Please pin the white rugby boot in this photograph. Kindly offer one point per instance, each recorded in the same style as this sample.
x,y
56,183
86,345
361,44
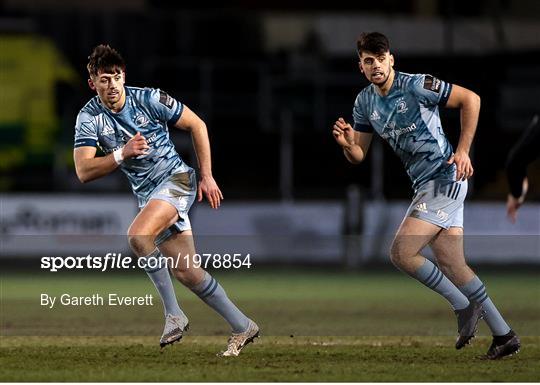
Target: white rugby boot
x,y
237,341
175,326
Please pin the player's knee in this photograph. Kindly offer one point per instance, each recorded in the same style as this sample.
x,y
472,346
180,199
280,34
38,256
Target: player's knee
x,y
179,272
451,267
135,244
444,264
140,243
398,256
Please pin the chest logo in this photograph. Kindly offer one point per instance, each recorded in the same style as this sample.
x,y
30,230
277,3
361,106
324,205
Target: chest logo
x,y
402,107
141,121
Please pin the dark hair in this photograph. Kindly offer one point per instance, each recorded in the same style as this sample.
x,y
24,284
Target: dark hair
x,y
374,42
105,59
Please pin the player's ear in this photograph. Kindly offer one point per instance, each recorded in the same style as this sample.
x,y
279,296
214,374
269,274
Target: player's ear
x,y
91,84
360,66
391,60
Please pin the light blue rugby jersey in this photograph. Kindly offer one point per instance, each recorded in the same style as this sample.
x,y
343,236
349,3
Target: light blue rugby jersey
x,y
146,110
408,119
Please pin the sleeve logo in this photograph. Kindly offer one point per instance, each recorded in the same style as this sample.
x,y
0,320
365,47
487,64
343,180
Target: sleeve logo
x,y
432,83
165,99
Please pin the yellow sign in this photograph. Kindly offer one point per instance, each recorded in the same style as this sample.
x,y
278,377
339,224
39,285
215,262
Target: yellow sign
x,y
30,67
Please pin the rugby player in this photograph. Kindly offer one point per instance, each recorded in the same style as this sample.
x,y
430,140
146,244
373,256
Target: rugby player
x,y
404,110
130,125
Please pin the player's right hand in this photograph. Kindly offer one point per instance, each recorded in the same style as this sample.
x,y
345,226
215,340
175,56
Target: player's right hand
x,y
136,146
208,187
343,133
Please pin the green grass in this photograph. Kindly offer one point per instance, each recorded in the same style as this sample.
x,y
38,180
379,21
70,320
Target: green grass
x,y
313,359
316,326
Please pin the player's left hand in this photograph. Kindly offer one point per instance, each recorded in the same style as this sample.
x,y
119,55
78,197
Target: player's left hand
x,y
464,168
209,188
513,204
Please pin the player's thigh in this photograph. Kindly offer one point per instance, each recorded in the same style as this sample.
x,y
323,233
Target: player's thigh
x,y
155,217
448,247
412,236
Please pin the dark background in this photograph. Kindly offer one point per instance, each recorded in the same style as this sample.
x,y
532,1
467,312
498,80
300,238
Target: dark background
x,y
215,60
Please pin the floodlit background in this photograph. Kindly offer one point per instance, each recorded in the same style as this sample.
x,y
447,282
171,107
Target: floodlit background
x,y
269,78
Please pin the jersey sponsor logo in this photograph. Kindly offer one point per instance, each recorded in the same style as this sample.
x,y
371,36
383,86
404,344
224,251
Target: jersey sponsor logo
x,y
398,131
152,138
422,207
141,120
431,83
165,99
402,107
390,125
374,115
107,130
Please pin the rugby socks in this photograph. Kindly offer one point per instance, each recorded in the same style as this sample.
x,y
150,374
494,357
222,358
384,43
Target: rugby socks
x,y
158,271
476,291
211,292
430,275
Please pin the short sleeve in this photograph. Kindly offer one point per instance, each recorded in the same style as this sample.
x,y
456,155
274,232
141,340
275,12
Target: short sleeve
x,y
85,131
164,107
430,90
361,123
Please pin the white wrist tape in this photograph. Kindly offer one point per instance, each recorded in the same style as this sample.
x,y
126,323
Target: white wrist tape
x,y
118,157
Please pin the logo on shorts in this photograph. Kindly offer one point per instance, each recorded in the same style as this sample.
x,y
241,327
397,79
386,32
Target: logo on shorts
x,y
443,216
422,207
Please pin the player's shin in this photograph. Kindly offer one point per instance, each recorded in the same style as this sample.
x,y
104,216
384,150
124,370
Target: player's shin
x,y
211,292
156,267
430,275
476,291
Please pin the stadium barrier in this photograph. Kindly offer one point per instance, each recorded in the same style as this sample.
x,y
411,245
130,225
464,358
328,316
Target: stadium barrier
x,y
289,233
